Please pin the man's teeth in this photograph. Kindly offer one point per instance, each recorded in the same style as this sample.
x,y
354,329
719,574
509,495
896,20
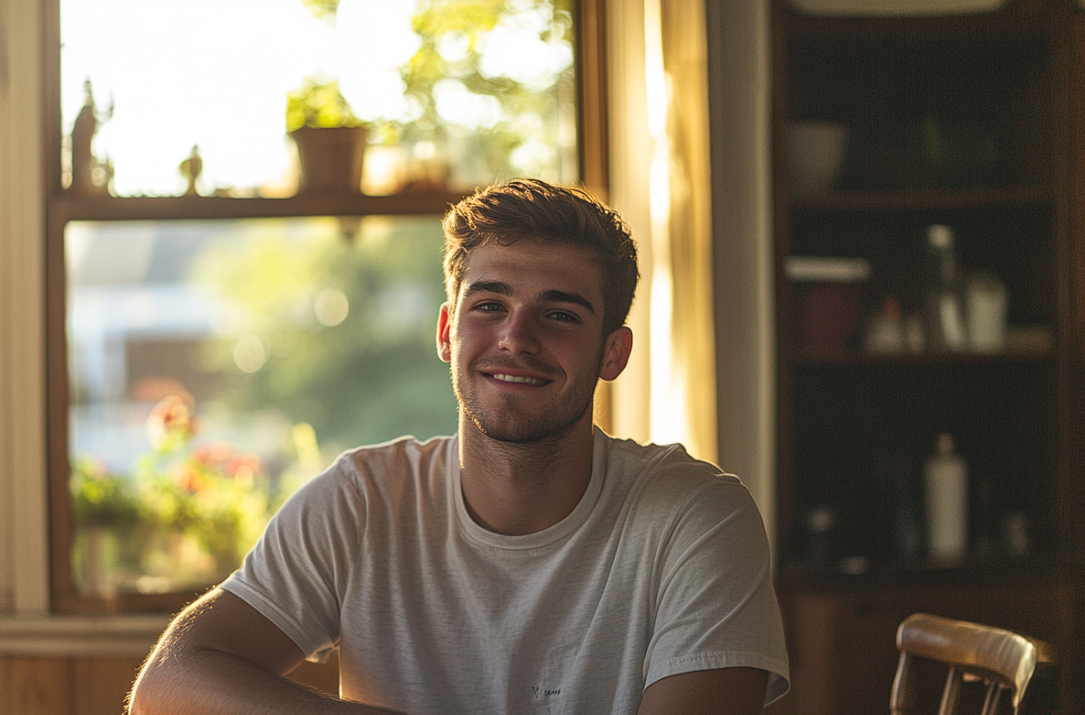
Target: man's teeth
x,y
513,378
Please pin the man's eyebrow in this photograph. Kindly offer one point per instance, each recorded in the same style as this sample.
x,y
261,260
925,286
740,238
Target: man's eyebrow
x,y
487,287
560,296
546,296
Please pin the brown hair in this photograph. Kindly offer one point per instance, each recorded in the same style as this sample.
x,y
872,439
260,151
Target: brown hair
x,y
529,208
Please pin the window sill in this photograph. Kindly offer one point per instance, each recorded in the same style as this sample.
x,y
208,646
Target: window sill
x,y
80,636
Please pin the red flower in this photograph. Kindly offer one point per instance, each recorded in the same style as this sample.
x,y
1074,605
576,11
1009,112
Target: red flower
x,y
188,478
243,468
171,422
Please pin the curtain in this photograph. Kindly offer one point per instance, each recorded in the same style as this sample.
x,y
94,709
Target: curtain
x,y
660,182
689,228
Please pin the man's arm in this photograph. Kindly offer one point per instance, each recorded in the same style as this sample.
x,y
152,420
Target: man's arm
x,y
724,691
223,657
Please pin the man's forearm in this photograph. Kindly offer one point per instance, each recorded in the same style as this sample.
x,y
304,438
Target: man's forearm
x,y
210,682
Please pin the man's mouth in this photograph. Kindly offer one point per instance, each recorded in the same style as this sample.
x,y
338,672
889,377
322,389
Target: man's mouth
x,y
521,379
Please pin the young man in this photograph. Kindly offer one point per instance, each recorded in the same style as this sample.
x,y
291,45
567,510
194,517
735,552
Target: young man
x,y
531,563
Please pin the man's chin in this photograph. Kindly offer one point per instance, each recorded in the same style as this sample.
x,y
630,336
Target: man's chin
x,y
510,430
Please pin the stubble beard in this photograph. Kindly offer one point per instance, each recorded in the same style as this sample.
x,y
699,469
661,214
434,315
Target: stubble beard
x,y
508,425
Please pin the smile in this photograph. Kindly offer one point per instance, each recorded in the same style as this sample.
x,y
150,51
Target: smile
x,y
522,380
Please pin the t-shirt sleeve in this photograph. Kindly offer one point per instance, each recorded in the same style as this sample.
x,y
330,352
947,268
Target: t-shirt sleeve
x,y
716,605
294,575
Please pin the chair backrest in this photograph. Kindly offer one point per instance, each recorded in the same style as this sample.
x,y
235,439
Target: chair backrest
x,y
1004,661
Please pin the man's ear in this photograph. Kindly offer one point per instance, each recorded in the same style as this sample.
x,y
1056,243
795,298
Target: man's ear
x,y
444,343
616,352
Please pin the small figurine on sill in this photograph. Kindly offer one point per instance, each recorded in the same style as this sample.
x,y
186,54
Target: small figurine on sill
x,y
191,168
89,175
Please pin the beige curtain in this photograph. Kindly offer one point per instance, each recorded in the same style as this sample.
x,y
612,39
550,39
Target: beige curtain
x,y
689,237
660,182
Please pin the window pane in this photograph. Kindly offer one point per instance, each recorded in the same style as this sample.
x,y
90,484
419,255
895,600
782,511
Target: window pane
x,y
460,92
217,365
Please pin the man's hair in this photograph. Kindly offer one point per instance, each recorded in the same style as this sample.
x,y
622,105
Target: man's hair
x,y
529,208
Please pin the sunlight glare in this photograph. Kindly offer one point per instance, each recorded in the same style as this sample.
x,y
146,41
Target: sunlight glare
x,y
459,105
249,354
222,68
331,307
453,46
515,50
373,40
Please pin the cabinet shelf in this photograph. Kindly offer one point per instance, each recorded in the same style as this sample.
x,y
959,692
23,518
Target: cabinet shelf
x,y
1016,356
919,573
1012,197
145,208
1018,23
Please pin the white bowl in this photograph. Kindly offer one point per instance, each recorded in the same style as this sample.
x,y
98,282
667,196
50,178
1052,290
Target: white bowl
x,y
815,156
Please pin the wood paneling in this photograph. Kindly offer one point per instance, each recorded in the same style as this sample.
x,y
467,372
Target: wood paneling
x,y
35,686
99,685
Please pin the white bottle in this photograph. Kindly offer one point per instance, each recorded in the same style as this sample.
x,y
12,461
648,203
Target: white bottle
x,y
985,298
946,496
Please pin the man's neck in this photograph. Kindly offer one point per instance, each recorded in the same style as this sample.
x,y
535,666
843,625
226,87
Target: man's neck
x,y
524,487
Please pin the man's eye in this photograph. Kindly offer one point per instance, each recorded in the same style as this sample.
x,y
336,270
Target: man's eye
x,y
488,307
564,316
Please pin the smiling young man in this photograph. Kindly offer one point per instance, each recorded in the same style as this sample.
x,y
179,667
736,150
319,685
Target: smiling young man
x,y
531,563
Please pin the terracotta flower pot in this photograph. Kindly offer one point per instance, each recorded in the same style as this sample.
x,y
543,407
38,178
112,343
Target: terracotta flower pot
x,y
331,159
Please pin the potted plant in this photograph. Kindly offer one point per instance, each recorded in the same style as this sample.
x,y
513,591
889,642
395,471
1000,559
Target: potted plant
x,y
331,141
107,516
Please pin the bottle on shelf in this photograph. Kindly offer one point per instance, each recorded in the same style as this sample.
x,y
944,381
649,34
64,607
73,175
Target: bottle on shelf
x,y
944,306
986,303
946,501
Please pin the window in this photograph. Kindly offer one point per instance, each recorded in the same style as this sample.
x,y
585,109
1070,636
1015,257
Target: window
x,y
228,322
216,365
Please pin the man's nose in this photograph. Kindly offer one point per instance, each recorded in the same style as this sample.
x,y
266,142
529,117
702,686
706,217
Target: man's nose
x,y
520,333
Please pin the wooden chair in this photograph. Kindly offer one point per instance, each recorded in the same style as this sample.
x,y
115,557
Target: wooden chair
x,y
1002,660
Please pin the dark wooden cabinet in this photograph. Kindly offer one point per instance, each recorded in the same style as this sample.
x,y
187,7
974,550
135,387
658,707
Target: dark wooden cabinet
x,y
975,121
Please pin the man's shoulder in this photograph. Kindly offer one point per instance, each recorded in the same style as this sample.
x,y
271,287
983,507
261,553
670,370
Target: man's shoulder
x,y
663,495
668,461
405,460
667,477
407,451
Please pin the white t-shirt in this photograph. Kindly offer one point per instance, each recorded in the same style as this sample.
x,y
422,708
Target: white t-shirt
x,y
662,568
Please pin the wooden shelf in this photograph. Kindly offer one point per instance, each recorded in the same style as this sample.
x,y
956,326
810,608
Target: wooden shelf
x,y
857,358
1016,197
1015,21
919,572
67,207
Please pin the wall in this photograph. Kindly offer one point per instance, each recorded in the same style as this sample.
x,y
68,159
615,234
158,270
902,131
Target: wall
x,y
23,537
740,116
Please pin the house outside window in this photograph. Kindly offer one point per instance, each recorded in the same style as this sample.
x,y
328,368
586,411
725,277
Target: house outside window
x,y
222,323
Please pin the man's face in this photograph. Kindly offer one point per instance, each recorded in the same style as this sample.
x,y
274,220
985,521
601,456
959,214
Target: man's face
x,y
525,340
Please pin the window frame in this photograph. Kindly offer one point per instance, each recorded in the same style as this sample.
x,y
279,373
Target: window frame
x,y
62,207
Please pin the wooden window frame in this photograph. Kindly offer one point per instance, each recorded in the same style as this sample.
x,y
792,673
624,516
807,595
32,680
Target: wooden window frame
x,y
62,207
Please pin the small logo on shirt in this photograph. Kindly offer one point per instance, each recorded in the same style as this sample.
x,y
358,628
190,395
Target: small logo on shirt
x,y
546,699
545,693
